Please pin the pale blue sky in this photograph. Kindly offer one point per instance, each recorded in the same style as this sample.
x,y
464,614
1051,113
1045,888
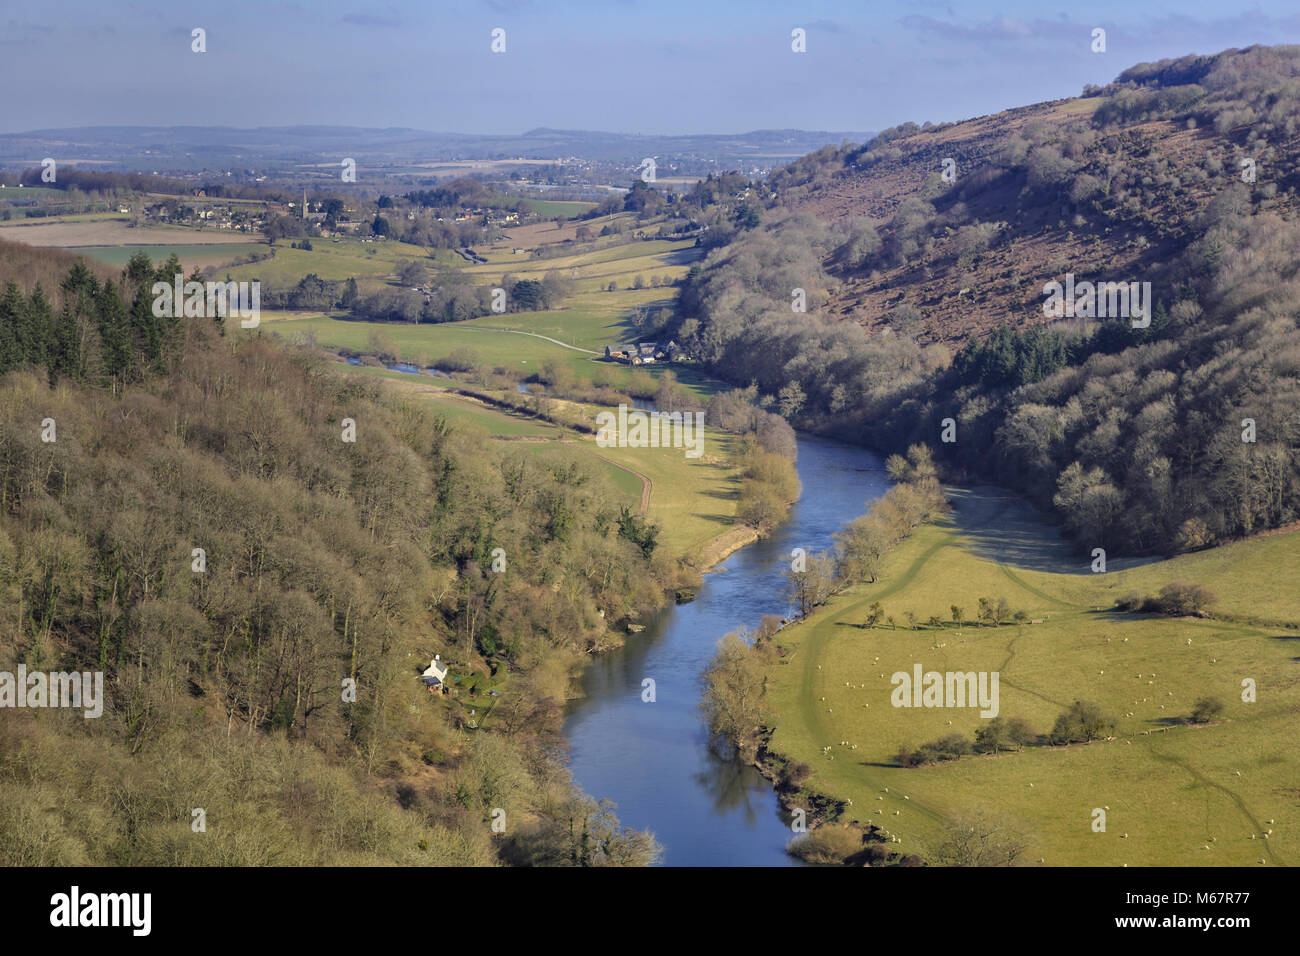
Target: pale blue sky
x,y
652,66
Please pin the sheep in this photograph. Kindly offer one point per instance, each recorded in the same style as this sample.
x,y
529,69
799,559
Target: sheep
x,y
1123,836
1269,822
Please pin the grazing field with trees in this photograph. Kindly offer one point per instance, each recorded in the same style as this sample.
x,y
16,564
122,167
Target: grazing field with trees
x,y
1101,705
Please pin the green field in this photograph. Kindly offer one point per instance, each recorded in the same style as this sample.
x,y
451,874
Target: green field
x,y
1169,788
32,193
692,500
345,259
423,344
118,255
557,207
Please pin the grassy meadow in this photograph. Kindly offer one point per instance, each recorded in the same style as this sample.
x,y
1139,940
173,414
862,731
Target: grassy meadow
x,y
1174,793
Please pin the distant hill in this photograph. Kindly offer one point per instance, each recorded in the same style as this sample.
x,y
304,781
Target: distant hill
x,y
194,147
1107,185
881,300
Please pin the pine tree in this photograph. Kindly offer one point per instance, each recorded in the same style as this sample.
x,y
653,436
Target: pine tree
x,y
38,329
12,311
114,334
66,358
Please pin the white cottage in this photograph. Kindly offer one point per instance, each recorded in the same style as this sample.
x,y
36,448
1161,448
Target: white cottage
x,y
435,675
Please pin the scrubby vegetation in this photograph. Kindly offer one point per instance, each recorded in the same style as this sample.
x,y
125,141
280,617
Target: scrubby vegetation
x,y
1160,439
203,533
1176,599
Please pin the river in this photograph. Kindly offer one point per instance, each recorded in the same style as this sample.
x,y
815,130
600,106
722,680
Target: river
x,y
653,759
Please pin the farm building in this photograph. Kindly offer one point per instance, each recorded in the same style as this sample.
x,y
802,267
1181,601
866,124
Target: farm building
x,y
644,353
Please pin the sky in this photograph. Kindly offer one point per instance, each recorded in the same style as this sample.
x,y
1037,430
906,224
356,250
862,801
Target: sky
x,y
635,66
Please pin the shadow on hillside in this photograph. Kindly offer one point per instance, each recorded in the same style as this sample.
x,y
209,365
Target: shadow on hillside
x,y
1000,526
728,495
717,519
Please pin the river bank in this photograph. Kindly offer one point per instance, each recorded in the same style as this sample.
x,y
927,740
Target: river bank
x,y
644,745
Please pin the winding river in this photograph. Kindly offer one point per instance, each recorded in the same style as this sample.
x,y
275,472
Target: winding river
x,y
653,759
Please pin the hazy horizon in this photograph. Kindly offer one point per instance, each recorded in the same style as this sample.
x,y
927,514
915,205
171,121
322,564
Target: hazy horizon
x,y
667,68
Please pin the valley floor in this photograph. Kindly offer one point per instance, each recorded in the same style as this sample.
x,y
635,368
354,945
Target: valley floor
x,y
1174,793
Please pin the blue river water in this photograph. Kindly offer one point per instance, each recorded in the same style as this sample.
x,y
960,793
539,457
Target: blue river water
x,y
653,759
